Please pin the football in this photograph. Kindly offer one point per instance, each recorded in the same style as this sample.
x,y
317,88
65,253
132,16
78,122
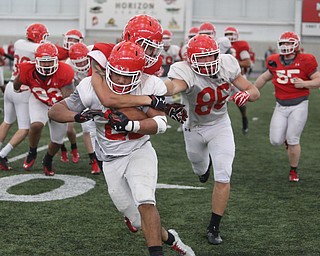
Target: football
x,y
133,113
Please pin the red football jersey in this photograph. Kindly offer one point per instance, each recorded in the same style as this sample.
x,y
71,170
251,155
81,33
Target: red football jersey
x,y
49,90
303,66
239,47
63,54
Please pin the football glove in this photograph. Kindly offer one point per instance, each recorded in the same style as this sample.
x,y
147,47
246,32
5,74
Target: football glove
x,y
87,114
121,123
158,102
177,112
240,98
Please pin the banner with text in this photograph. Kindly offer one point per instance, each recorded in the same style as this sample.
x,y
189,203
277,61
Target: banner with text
x,y
311,18
114,14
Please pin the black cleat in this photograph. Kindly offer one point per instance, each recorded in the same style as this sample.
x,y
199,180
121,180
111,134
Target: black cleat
x,y
214,236
203,178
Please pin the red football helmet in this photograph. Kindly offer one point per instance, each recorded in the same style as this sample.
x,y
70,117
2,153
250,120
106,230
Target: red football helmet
x,y
146,31
207,28
37,33
125,63
232,33
78,56
288,43
203,55
167,37
72,36
193,32
46,59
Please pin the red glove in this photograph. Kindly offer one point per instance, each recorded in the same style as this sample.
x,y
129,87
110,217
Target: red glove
x,y
240,98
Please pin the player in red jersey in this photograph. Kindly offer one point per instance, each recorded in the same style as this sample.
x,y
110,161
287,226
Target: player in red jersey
x,y
241,49
49,81
292,74
70,38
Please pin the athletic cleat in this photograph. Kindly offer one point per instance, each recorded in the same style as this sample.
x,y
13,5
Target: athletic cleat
x,y
214,236
29,162
3,164
64,156
129,225
203,178
179,246
94,167
293,176
75,155
48,171
245,125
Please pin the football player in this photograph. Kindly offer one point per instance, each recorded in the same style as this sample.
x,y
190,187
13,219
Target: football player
x,y
209,29
147,32
123,144
16,105
293,74
49,81
205,82
191,33
170,52
70,38
241,49
80,62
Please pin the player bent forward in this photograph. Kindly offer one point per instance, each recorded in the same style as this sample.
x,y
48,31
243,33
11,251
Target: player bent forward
x,y
129,160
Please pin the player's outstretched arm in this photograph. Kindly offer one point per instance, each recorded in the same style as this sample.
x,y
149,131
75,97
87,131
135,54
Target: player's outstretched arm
x,y
60,112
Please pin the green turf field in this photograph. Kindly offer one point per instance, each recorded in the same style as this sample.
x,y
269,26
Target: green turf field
x,y
266,214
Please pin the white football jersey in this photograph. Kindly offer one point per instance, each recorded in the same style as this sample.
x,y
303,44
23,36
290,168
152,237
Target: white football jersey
x,y
206,98
170,56
111,144
24,50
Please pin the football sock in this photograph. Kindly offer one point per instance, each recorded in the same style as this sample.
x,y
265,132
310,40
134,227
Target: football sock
x,y
215,221
293,168
47,160
155,251
6,150
92,156
32,151
73,145
63,147
170,240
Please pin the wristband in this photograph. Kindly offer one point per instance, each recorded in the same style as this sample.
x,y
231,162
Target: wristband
x,y
132,126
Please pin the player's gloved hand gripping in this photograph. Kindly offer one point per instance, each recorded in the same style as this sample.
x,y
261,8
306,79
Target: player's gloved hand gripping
x,y
177,112
240,98
120,122
158,102
87,114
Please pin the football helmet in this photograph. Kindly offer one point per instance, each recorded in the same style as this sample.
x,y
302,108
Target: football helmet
x,y
208,29
167,37
193,32
146,31
232,33
37,33
203,55
46,59
288,43
127,59
78,56
72,36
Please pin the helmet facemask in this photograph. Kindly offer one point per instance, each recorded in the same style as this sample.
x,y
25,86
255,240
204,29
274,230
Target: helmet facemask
x,y
46,65
151,49
133,76
206,68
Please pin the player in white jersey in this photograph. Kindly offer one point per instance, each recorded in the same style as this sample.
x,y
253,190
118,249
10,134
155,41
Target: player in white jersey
x,y
205,81
129,160
16,105
80,63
